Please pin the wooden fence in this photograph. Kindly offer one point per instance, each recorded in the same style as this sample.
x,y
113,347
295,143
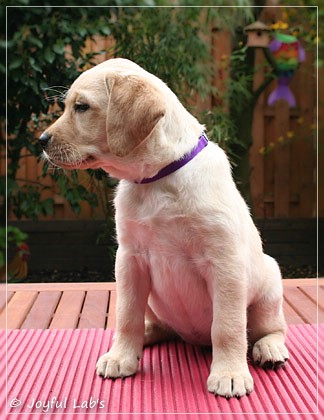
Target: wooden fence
x,y
283,156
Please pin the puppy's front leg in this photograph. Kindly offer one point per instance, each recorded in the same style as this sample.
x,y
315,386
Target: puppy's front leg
x,y
229,374
133,285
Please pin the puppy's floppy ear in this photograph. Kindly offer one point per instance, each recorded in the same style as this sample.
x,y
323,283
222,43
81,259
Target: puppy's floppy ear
x,y
134,109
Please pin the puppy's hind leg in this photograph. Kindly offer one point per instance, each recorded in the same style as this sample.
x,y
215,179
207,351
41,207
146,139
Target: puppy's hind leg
x,y
266,323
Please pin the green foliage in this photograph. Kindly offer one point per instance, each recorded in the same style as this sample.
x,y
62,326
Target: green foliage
x,y
10,235
104,187
38,38
166,41
238,96
169,42
73,191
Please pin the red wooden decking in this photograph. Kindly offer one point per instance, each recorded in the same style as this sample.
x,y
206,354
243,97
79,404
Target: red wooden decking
x,y
92,305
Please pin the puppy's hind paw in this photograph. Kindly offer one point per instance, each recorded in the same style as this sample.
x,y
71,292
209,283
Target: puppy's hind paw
x,y
270,353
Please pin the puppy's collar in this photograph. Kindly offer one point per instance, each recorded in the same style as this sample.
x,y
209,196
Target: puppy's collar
x,y
177,164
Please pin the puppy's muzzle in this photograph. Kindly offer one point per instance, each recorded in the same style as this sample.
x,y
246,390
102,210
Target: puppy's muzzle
x,y
44,139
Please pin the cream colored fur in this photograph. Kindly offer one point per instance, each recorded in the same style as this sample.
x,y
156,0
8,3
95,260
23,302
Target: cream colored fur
x,y
189,255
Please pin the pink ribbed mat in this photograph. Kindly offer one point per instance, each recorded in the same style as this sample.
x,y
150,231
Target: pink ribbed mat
x,y
58,367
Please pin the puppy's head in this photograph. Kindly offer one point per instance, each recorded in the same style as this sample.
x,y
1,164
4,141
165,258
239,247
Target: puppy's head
x,y
110,110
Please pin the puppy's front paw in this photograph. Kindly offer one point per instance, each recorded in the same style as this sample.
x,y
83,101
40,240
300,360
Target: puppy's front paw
x,y
230,383
111,366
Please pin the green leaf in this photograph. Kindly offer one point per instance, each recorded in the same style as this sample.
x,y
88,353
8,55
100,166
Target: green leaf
x,y
105,30
33,84
35,41
59,47
36,67
49,56
82,31
15,63
15,235
48,207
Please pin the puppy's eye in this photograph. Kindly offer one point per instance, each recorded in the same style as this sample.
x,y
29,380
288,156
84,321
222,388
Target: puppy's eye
x,y
81,107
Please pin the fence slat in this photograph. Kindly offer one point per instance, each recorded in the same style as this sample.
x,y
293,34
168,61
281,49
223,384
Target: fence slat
x,y
256,159
282,160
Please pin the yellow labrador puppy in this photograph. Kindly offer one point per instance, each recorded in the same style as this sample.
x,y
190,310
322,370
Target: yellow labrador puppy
x,y
190,262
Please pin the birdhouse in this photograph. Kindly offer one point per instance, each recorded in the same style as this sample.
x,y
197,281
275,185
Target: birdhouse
x,y
258,34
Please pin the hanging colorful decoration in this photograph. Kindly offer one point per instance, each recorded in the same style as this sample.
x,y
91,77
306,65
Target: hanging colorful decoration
x,y
287,53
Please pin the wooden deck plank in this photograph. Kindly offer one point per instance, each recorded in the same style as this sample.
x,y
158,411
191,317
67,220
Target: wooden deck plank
x,y
317,296
290,314
95,308
61,286
4,299
92,305
303,306
310,292
303,282
68,310
321,304
3,296
42,311
18,308
111,322
321,295
112,285
9,296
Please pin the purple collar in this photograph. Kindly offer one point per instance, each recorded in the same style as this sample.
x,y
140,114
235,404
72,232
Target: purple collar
x,y
177,164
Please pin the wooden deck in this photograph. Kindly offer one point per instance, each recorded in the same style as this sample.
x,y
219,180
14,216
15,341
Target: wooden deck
x,y
92,305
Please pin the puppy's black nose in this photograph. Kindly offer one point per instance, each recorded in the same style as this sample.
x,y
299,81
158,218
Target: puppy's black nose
x,y
44,139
